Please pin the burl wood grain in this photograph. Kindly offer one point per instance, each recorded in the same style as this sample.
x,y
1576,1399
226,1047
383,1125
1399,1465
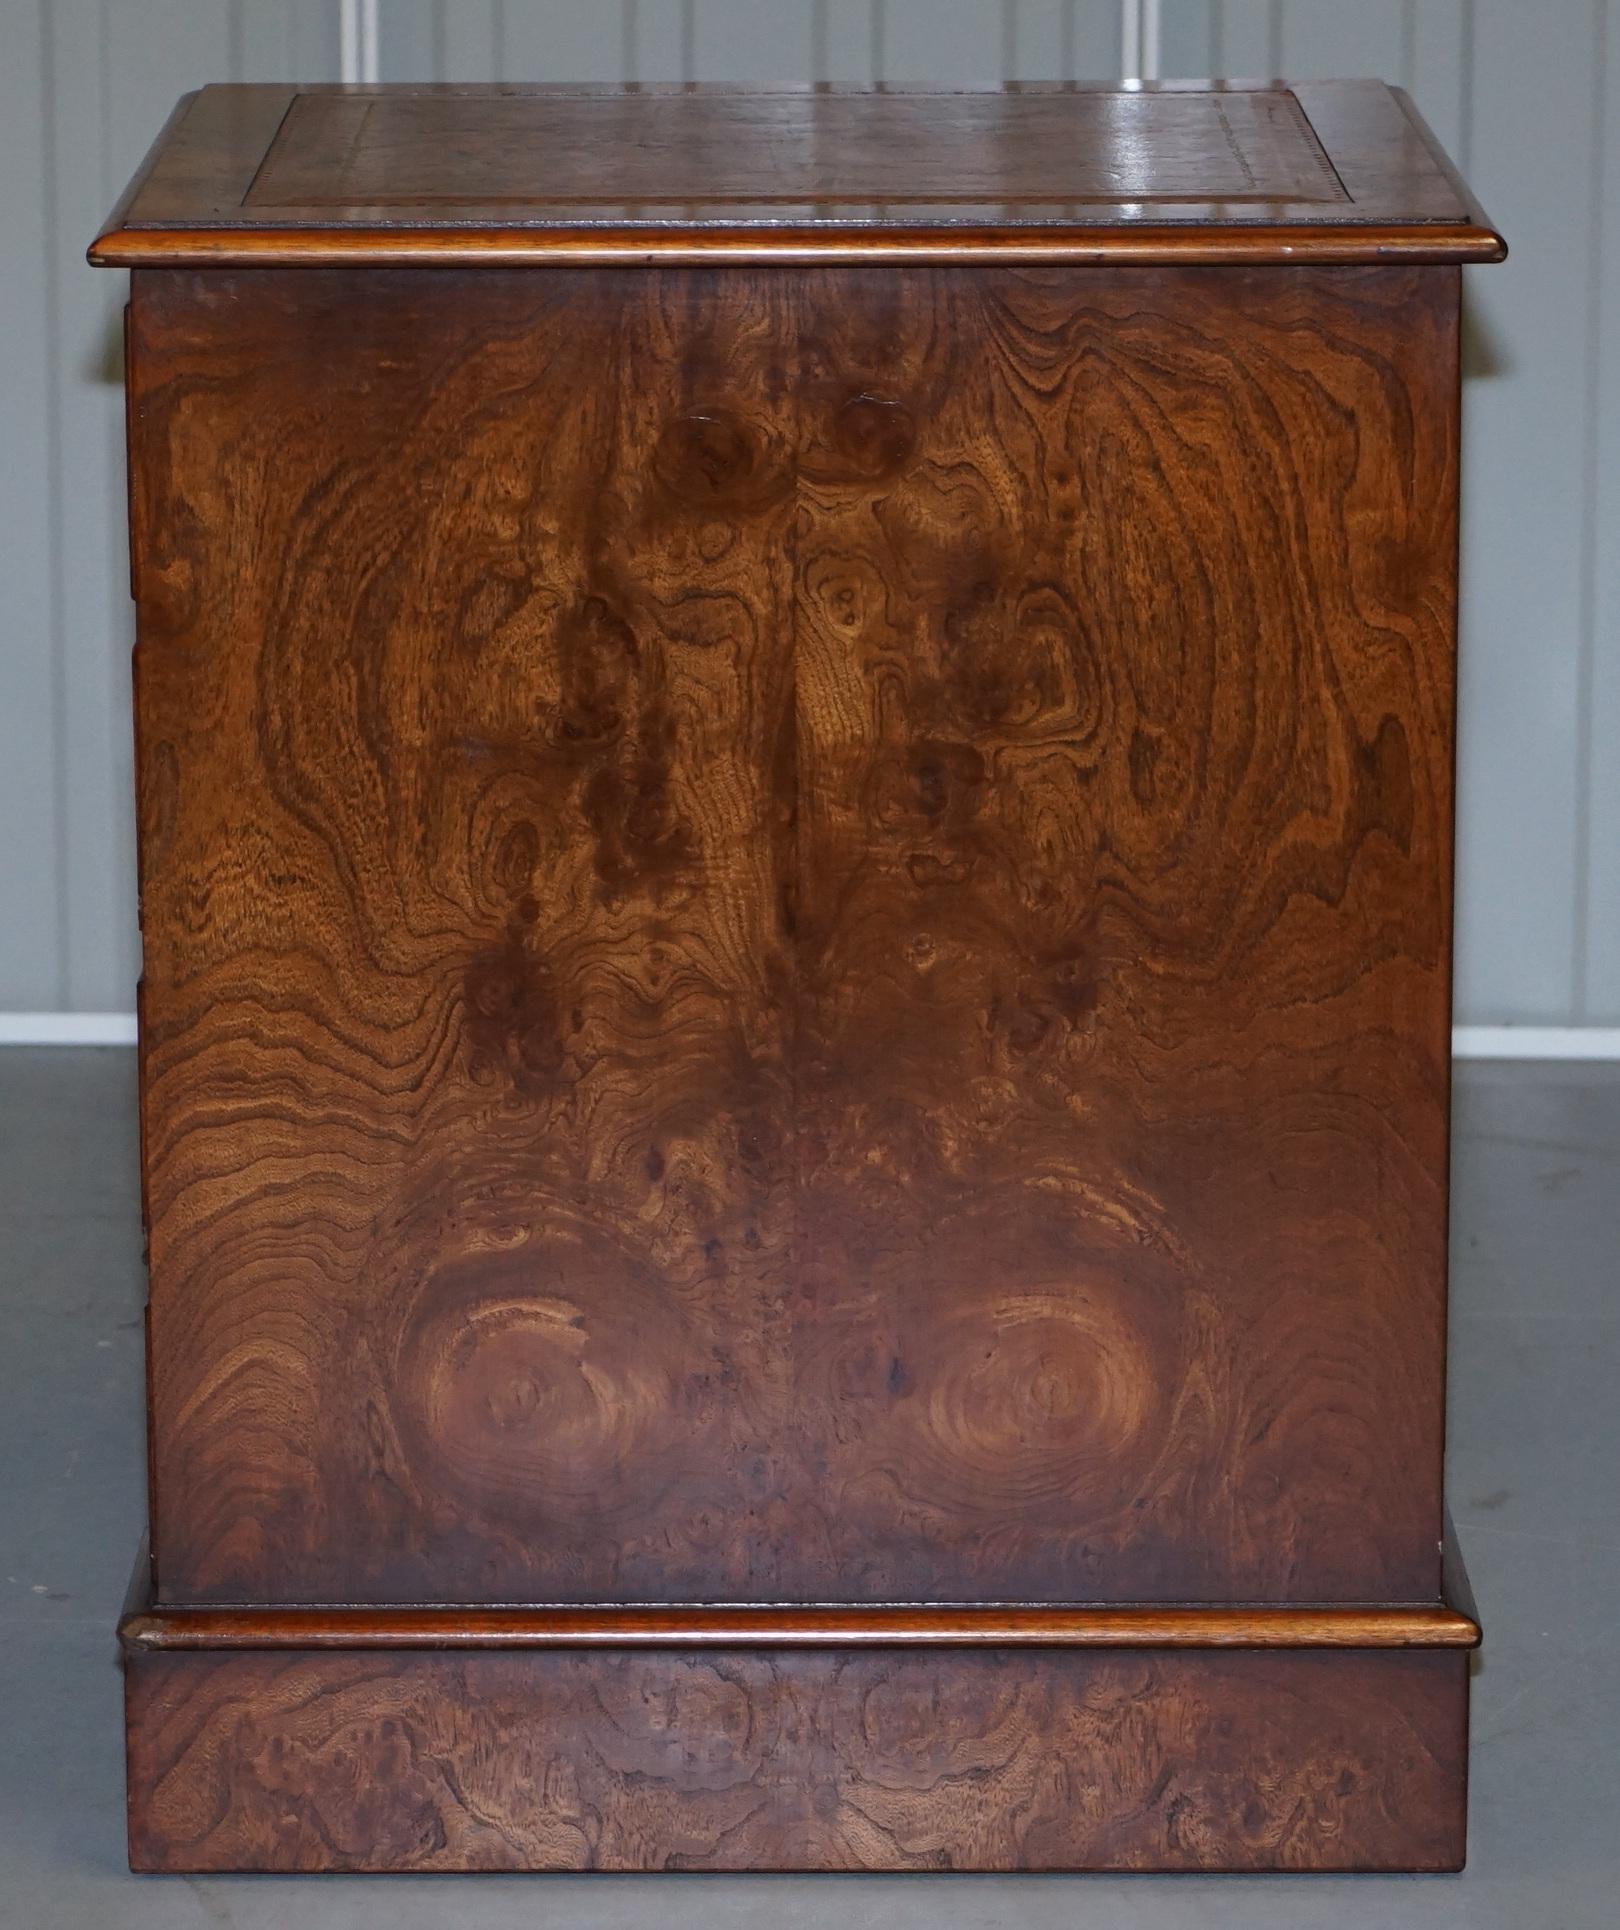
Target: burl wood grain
x,y
466,727
1124,643
797,1761
796,932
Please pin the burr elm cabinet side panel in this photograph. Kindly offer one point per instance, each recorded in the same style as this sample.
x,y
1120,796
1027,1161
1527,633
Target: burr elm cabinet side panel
x,y
795,759
796,940
877,1760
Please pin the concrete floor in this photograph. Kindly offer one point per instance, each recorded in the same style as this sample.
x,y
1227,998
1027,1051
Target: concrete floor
x,y
1535,1487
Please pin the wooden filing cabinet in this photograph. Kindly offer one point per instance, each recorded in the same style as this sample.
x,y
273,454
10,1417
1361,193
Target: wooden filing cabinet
x,y
795,762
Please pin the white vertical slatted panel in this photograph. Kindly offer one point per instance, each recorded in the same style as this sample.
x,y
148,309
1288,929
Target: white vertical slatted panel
x,y
410,43
1245,39
294,41
1064,39
153,52
947,43
466,43
127,66
93,618
31,880
1601,855
263,42
1437,43
565,42
660,34
1320,39
1524,481
1096,38
1189,41
534,40
84,84
848,42
1041,40
952,42
740,40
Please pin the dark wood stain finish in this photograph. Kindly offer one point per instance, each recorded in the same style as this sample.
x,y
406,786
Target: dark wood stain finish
x,y
795,1022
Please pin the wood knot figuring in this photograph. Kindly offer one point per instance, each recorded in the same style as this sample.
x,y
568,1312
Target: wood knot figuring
x,y
875,434
710,457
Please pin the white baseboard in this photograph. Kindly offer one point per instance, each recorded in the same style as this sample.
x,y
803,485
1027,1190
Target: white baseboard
x,y
1467,1042
67,1028
1536,1042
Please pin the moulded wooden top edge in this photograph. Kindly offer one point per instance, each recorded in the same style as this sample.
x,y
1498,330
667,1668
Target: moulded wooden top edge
x,y
1338,244
222,187
1089,1626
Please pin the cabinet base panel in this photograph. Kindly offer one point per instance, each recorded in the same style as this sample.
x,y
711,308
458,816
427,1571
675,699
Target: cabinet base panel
x,y
797,1758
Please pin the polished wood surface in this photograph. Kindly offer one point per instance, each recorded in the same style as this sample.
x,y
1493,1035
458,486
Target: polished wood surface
x,y
1169,1627
1189,171
795,947
795,1036
546,150
1029,1760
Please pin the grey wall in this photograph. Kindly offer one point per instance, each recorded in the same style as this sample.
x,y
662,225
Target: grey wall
x,y
1524,94
84,87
